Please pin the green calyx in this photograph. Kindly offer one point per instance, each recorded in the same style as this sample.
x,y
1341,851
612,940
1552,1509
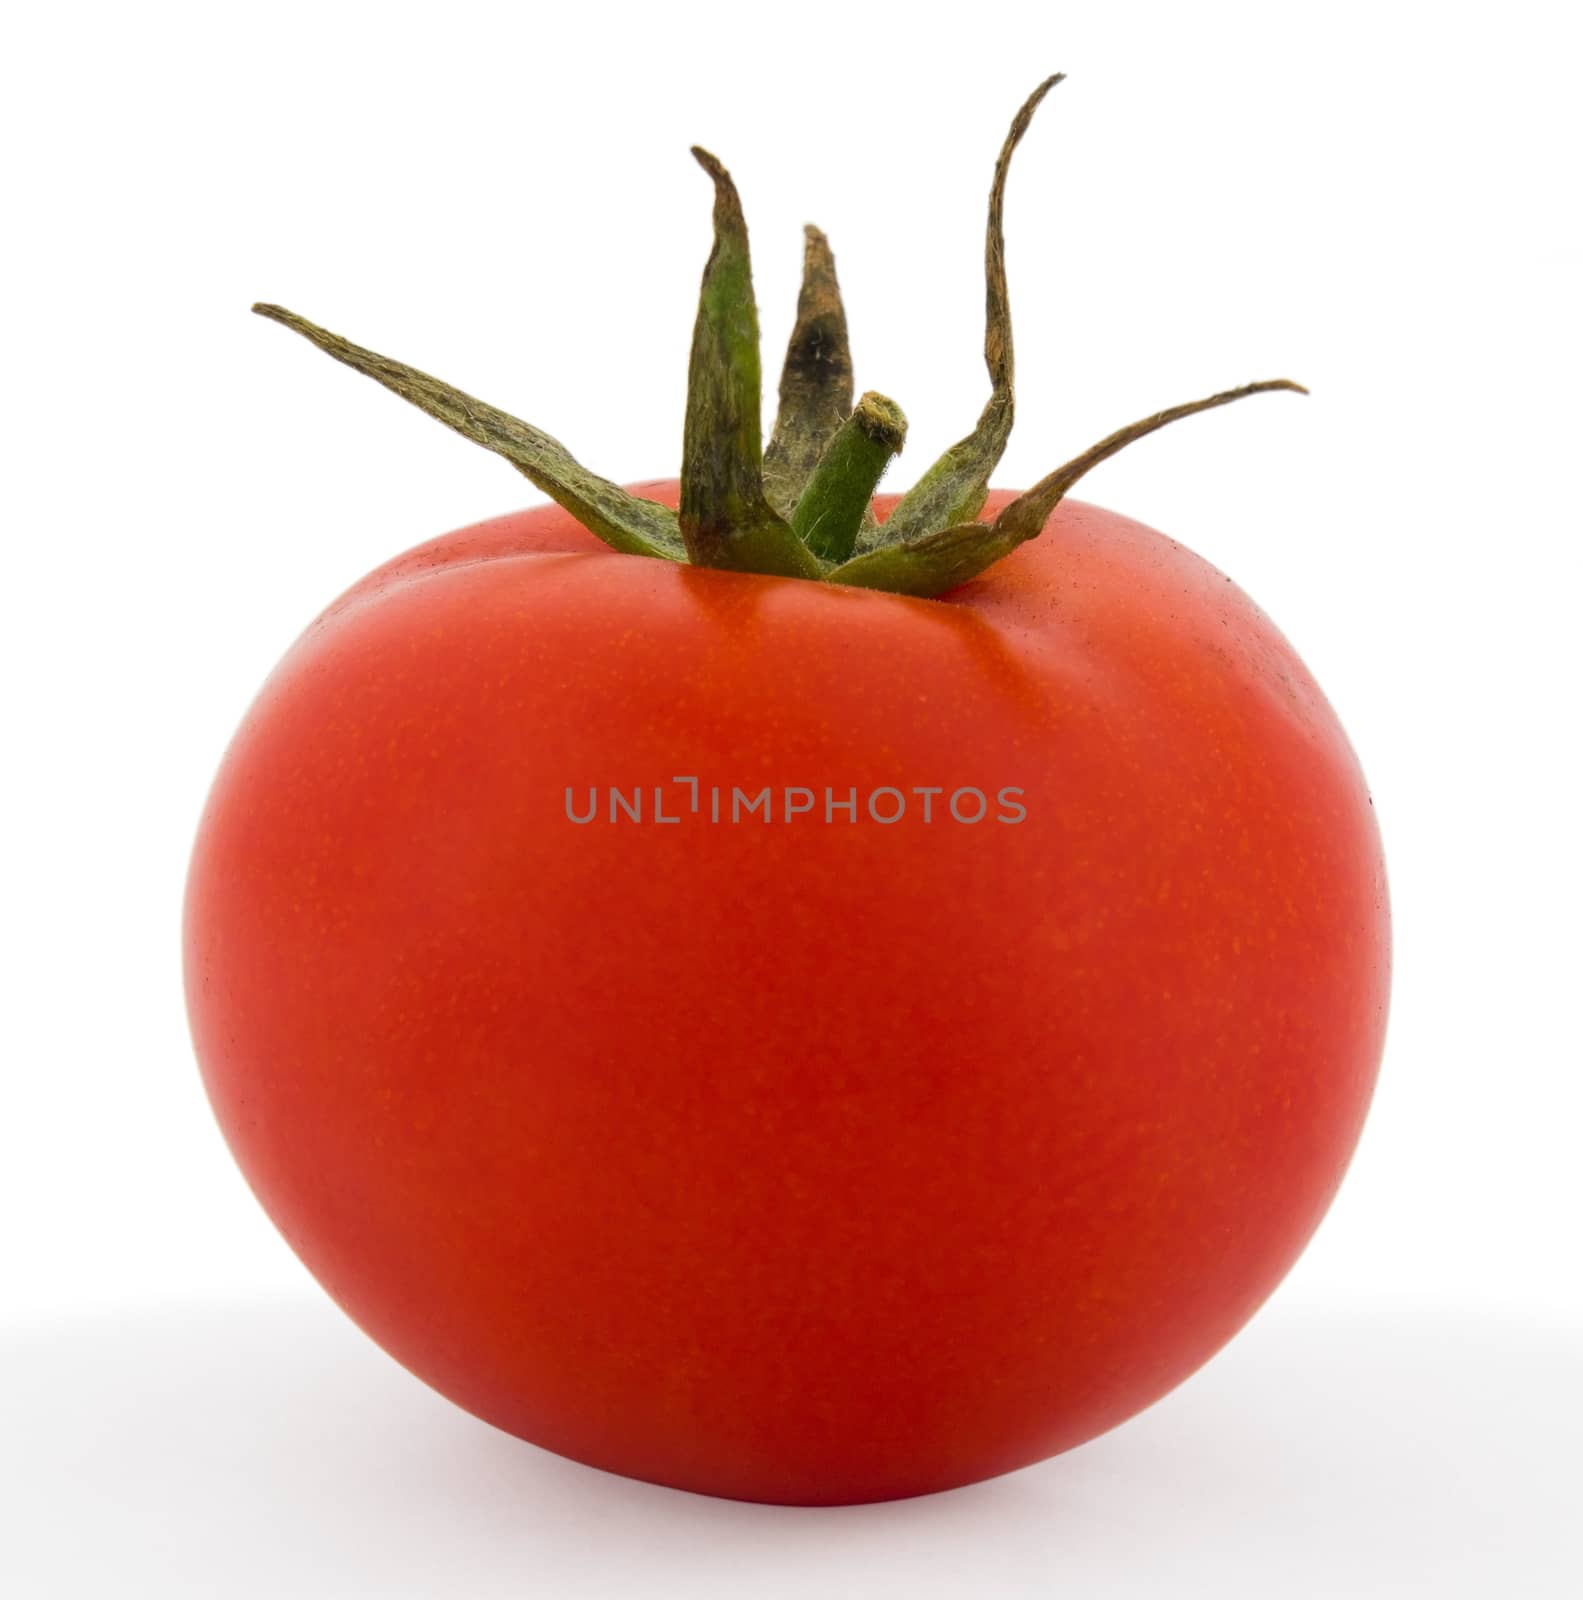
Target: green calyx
x,y
802,507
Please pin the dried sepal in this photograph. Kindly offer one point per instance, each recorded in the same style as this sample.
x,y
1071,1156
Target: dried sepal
x,y
928,566
816,379
1025,516
953,489
725,519
624,522
935,563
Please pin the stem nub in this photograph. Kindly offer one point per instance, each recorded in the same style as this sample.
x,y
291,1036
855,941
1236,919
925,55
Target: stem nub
x,y
830,510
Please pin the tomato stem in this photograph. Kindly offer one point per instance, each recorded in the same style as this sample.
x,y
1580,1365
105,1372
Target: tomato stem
x,y
802,507
830,510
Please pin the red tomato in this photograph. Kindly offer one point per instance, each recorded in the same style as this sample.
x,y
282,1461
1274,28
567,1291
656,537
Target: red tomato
x,y
796,1160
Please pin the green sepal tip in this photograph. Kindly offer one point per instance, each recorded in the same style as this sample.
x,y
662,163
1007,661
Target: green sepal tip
x,y
724,517
830,511
624,522
938,562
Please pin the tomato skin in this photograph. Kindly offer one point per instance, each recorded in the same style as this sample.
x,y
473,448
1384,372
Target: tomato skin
x,y
812,1162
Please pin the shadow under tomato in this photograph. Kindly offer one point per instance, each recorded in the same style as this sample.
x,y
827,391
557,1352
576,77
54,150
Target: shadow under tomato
x,y
262,1449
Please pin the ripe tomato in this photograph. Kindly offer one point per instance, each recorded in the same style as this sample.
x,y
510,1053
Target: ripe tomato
x,y
812,1159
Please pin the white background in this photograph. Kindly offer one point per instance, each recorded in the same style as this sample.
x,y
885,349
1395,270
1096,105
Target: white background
x,y
1377,199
